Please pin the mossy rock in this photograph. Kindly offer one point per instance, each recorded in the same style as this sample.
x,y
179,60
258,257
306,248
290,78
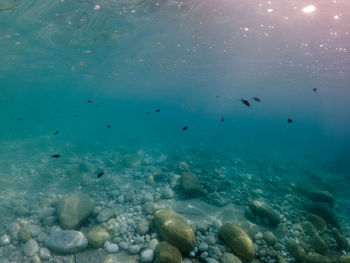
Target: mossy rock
x,y
97,236
344,259
316,258
238,240
175,230
296,250
166,253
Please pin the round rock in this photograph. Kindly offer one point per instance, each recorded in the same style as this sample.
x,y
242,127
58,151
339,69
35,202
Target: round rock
x,y
30,248
66,241
175,230
238,240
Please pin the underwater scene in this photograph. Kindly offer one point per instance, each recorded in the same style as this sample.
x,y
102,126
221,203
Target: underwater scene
x,y
175,131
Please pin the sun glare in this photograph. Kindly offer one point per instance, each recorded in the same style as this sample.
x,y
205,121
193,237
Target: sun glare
x,y
309,9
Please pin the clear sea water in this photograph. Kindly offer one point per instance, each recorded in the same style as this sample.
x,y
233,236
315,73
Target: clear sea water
x,y
192,60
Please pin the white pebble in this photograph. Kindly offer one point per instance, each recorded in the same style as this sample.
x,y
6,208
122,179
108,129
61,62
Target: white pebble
x,y
147,256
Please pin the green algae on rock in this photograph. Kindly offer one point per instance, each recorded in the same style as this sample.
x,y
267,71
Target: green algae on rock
x,y
264,210
97,236
296,250
190,183
238,240
166,253
312,257
175,229
73,211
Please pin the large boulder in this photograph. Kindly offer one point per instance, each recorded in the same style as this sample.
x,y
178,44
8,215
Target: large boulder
x,y
166,253
175,230
325,211
238,240
73,211
66,241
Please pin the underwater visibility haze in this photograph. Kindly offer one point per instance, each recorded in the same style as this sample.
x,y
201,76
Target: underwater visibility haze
x,y
174,131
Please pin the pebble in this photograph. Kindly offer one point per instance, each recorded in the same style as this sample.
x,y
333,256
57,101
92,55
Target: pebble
x,y
147,197
4,240
142,227
203,247
41,237
111,248
13,229
105,214
30,248
147,256
167,193
150,208
50,211
34,230
50,220
44,253
124,245
153,244
270,238
211,260
133,250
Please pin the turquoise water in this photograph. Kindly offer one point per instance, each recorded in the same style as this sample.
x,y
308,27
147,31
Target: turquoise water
x,y
97,71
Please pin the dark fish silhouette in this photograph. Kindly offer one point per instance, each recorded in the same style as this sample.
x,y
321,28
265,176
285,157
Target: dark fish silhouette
x,y
256,99
185,128
108,126
217,96
14,7
100,174
157,110
56,132
148,113
19,119
245,102
290,120
314,89
55,156
222,119
90,101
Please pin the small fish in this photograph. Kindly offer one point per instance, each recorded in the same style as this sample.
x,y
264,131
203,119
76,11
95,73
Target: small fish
x,y
100,174
256,99
97,106
19,119
290,120
157,110
14,7
90,101
108,126
58,110
185,128
56,132
217,96
148,113
55,156
314,89
222,119
245,102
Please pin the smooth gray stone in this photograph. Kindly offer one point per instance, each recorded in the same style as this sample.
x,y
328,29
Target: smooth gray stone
x,y
66,241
